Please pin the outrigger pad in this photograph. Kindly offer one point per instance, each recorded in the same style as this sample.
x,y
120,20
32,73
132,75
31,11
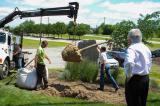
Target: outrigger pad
x,y
71,53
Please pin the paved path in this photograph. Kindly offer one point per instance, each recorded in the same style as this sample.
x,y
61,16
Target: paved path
x,y
54,54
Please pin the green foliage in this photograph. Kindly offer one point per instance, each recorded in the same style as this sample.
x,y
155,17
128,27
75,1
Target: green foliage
x,y
82,29
60,28
100,28
105,29
79,29
89,71
27,26
119,76
108,29
86,71
119,35
149,25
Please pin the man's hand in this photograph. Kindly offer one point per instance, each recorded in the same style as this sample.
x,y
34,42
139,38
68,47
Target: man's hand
x,y
49,61
35,65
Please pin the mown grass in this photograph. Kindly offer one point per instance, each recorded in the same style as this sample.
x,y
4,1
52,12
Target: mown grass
x,y
155,71
155,39
13,96
153,98
85,37
94,38
28,43
153,46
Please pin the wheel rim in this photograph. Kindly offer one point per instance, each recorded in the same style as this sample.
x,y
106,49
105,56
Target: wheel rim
x,y
5,70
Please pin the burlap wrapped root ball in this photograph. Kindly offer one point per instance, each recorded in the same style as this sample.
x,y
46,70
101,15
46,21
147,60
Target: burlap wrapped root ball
x,y
71,53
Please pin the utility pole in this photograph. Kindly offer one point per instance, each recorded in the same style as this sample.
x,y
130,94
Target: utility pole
x,y
104,20
48,27
40,29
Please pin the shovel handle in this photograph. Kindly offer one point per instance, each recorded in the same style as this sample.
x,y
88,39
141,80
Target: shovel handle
x,y
91,46
29,63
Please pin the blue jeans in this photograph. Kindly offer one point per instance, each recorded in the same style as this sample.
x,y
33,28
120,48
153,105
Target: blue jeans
x,y
19,62
108,74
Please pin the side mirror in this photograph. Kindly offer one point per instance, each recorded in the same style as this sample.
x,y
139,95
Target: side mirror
x,y
9,40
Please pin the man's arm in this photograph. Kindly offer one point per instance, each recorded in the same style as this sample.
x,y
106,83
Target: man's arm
x,y
35,61
129,63
98,49
48,59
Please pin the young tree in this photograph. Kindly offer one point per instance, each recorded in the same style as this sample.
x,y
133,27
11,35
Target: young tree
x,y
149,24
119,35
108,29
60,28
70,29
82,29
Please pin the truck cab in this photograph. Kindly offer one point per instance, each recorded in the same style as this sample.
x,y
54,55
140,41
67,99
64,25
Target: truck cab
x,y
6,52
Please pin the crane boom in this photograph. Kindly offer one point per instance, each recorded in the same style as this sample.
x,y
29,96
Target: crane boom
x,y
71,11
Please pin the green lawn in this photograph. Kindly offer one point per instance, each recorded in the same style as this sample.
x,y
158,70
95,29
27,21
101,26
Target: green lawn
x,y
155,39
153,99
13,96
154,46
28,43
93,37
155,71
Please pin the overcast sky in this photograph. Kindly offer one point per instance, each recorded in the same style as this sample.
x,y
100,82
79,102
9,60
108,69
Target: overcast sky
x,y
90,12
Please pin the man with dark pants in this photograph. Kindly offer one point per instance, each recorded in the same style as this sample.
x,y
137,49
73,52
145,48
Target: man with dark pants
x,y
105,68
137,66
40,66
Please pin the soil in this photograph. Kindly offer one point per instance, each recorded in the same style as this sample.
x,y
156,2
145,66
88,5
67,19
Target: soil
x,y
86,91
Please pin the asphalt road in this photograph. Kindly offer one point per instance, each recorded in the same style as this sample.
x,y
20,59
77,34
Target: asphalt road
x,y
53,53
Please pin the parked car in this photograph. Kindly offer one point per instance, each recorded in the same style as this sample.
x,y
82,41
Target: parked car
x,y
112,62
155,53
119,56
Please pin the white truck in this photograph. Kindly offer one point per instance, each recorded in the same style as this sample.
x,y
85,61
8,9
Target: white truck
x,y
6,38
6,52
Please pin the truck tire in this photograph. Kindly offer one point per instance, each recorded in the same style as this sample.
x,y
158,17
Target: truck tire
x,y
5,70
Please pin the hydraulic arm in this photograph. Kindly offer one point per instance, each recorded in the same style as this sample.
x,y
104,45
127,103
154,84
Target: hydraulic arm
x,y
71,11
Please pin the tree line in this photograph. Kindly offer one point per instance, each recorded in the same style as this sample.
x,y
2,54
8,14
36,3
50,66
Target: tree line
x,y
149,24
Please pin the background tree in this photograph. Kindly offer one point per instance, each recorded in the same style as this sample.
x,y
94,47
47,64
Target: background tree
x,y
82,29
108,29
149,24
70,29
119,35
101,28
28,26
60,28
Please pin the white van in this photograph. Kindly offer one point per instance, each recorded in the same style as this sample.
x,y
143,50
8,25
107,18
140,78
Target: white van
x,y
112,62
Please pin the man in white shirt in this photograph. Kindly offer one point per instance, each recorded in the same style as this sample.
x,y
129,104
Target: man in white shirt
x,y
105,68
137,66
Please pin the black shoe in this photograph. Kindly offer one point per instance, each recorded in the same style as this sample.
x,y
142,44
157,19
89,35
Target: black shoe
x,y
116,89
101,89
45,87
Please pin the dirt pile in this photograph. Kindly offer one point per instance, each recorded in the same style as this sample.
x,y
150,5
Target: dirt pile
x,y
84,91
